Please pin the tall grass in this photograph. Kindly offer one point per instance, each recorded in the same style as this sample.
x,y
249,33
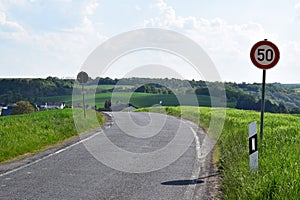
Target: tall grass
x,y
278,176
21,134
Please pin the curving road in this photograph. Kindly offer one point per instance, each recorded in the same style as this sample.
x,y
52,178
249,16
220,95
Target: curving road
x,y
136,167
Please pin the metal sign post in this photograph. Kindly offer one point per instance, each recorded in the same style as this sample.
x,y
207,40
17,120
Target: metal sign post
x,y
264,55
262,105
83,101
83,78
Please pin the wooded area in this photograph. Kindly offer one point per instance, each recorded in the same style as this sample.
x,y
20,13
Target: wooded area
x,y
280,98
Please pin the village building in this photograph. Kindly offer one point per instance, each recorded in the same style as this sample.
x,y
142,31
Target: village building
x,y
7,110
50,105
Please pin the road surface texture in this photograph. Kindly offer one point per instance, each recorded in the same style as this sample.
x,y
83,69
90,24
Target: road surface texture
x,y
72,172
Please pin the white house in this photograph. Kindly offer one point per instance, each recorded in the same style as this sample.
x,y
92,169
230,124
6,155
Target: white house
x,y
51,105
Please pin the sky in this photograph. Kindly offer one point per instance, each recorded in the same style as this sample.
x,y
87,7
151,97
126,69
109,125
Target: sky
x,y
41,38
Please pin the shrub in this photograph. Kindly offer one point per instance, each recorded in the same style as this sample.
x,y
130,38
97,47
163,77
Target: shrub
x,y
22,107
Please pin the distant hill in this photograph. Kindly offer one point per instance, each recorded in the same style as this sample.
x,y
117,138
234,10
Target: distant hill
x,y
13,90
291,86
277,93
280,98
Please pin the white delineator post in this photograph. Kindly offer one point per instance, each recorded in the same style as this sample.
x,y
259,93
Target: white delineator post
x,y
253,151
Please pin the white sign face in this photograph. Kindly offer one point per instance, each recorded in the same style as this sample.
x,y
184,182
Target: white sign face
x,y
264,54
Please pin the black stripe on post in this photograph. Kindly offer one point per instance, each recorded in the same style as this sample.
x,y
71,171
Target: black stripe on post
x,y
252,144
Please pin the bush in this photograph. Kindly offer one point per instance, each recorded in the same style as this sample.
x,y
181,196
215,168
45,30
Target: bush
x,y
22,107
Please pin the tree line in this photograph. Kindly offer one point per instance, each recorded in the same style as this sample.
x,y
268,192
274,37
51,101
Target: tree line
x,y
280,98
13,90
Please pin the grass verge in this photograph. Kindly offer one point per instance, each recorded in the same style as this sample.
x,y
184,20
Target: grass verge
x,y
279,165
30,133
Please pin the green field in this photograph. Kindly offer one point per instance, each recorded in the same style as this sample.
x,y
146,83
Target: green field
x,y
278,176
139,100
30,133
297,90
105,87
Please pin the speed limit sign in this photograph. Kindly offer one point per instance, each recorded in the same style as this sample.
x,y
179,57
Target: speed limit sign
x,y
82,77
264,54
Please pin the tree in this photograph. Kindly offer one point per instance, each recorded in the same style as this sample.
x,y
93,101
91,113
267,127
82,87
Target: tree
x,y
282,108
22,107
202,91
246,102
269,106
295,110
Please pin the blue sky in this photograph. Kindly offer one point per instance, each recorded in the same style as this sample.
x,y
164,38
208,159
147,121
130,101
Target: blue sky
x,y
40,38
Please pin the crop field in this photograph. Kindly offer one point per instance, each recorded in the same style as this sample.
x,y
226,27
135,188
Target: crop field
x,y
297,90
30,133
99,99
278,176
137,99
106,87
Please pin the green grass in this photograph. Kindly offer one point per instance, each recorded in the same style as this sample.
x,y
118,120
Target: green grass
x,y
99,98
106,87
278,176
30,133
297,90
137,99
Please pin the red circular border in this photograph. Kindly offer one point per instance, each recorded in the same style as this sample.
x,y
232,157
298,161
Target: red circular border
x,y
268,43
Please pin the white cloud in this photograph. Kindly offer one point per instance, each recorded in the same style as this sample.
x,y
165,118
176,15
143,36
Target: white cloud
x,y
10,29
138,8
13,25
216,28
167,16
62,48
289,61
91,7
296,17
63,32
227,44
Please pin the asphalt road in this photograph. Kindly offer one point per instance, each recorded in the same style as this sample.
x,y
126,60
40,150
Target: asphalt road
x,y
138,168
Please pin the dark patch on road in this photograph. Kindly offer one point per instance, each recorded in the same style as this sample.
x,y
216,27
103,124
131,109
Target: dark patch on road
x,y
183,182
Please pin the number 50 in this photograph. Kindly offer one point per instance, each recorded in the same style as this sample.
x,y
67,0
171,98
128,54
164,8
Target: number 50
x,y
263,54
